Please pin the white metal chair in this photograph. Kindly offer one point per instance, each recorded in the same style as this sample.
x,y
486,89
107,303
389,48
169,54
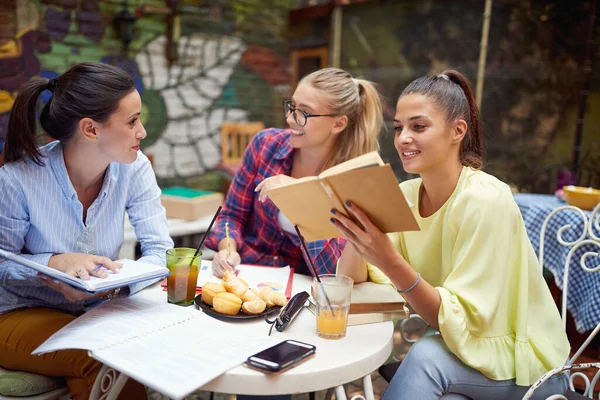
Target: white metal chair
x,y
107,386
590,227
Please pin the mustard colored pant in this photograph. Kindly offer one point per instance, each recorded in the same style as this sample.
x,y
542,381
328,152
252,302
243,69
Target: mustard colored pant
x,y
22,331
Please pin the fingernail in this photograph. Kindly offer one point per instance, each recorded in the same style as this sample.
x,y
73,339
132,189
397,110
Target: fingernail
x,y
348,204
333,211
44,278
55,281
332,220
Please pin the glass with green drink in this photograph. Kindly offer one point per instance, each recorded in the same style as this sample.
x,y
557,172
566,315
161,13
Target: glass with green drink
x,y
184,267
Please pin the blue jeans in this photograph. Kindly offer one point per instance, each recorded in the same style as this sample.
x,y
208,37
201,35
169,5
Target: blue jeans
x,y
431,371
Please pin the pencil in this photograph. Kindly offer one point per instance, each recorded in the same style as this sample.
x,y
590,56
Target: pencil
x,y
227,238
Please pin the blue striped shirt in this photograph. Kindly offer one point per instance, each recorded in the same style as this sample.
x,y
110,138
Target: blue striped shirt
x,y
40,215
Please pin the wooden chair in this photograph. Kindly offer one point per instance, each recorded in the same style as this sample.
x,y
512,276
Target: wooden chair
x,y
590,227
235,137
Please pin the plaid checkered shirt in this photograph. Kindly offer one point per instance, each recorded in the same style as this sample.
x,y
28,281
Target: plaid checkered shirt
x,y
253,225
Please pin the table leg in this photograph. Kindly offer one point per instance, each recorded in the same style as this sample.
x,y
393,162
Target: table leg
x,y
340,393
368,387
108,384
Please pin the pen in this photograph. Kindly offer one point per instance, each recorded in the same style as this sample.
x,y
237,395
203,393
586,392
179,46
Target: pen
x,y
98,267
227,238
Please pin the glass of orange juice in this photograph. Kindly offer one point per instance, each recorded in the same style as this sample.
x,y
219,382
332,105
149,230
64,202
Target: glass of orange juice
x,y
181,284
332,300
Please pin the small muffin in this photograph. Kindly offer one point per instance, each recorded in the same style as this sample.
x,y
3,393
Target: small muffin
x,y
263,293
209,290
277,298
254,307
227,303
249,295
236,286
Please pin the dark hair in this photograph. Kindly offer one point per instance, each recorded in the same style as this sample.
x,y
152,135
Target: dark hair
x,y
91,90
452,91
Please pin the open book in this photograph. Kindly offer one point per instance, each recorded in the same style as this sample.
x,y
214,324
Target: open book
x,y
373,302
132,272
174,350
365,181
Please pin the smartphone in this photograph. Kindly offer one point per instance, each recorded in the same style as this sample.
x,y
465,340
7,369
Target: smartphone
x,y
281,356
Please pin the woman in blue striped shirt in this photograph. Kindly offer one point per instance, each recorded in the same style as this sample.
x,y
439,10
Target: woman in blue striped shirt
x,y
63,206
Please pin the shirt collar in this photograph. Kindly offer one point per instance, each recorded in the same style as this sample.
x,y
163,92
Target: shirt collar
x,y
57,162
285,149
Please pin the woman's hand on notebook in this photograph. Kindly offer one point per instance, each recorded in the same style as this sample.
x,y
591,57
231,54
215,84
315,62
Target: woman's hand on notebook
x,y
83,265
272,183
223,261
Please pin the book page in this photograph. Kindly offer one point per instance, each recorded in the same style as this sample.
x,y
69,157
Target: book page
x,y
256,276
180,359
115,321
366,160
371,292
132,271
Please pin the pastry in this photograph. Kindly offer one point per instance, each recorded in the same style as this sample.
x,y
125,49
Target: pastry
x,y
249,295
234,285
227,303
254,307
209,290
263,293
277,298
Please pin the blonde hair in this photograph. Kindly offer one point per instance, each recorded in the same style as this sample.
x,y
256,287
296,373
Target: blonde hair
x,y
359,100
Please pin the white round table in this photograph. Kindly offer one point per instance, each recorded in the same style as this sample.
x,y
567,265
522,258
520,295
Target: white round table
x,y
335,363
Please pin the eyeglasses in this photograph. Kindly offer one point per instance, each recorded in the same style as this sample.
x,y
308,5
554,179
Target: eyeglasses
x,y
300,116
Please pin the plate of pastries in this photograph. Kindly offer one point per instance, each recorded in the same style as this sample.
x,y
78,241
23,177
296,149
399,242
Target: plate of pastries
x,y
233,299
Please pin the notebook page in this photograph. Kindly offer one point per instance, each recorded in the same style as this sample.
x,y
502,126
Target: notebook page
x,y
181,358
113,322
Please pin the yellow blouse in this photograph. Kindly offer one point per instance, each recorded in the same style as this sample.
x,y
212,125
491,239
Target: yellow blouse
x,y
497,314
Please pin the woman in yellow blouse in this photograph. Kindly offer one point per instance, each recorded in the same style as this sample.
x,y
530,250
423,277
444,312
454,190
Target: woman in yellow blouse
x,y
470,271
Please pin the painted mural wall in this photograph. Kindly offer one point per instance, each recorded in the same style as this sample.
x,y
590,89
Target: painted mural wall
x,y
196,64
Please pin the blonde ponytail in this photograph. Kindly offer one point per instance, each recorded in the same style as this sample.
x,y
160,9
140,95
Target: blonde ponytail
x,y
360,101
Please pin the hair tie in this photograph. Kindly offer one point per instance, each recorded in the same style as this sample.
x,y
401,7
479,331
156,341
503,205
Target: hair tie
x,y
444,76
52,85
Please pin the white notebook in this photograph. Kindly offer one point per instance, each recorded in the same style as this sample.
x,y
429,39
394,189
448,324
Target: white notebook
x,y
132,272
174,350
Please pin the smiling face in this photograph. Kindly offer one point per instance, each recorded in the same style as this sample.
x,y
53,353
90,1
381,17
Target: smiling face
x,y
423,137
119,138
318,131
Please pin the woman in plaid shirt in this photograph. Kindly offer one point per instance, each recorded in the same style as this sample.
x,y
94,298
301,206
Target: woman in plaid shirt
x,y
332,118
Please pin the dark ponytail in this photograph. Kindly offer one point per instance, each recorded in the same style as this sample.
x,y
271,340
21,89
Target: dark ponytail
x,y
21,135
453,93
86,90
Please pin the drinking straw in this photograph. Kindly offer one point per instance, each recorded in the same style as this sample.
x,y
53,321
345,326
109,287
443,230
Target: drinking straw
x,y
314,269
206,233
